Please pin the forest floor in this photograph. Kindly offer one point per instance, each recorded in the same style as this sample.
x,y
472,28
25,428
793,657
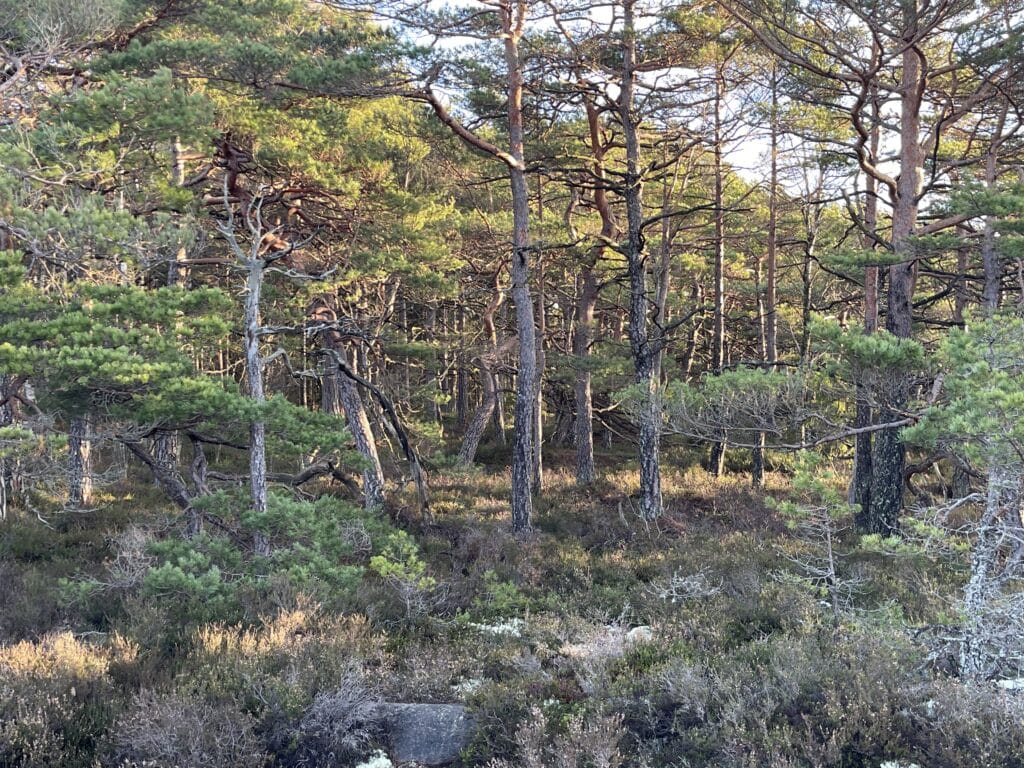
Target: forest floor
x,y
699,639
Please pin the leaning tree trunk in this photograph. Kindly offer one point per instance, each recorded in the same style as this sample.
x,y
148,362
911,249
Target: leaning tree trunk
x,y
366,444
80,473
475,431
488,359
339,395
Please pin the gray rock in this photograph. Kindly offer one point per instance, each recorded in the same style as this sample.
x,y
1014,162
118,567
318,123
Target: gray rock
x,y
427,734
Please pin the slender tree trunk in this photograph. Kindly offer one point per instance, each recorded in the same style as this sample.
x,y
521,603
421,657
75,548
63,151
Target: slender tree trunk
x,y
993,269
717,461
538,412
489,380
254,374
771,266
177,273
769,313
582,339
975,653
80,472
514,17
6,420
167,444
806,276
461,375
586,305
644,352
862,468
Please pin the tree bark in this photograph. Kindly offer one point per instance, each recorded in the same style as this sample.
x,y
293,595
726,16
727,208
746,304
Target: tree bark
x,y
643,351
583,427
489,382
80,472
513,18
254,379
889,454
586,304
387,407
717,459
990,259
538,406
860,488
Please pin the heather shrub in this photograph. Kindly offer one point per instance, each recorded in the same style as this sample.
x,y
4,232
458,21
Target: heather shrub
x,y
171,729
338,727
275,669
58,696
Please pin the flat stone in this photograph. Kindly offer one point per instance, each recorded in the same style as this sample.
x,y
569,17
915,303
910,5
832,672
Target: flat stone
x,y
427,734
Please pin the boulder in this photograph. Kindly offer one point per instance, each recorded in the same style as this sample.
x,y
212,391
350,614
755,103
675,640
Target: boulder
x,y
642,634
427,734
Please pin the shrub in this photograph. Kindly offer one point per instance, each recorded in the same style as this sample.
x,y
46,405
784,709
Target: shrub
x,y
339,726
169,729
273,670
57,699
405,574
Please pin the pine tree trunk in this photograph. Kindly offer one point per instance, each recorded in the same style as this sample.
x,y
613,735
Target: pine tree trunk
x,y
860,488
80,474
538,410
582,339
177,273
975,653
989,257
522,450
889,455
717,460
461,375
475,431
643,352
254,373
586,304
